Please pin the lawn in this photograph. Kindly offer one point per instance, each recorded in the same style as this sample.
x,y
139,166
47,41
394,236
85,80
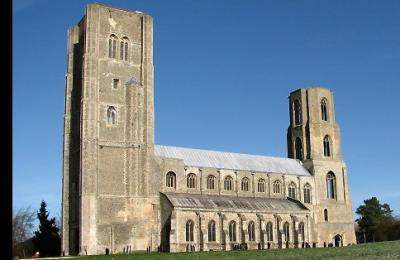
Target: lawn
x,y
379,250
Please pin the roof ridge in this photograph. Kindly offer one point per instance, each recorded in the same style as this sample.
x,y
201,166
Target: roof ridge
x,y
216,151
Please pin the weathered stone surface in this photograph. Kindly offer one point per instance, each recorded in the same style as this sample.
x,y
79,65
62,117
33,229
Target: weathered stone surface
x,y
114,182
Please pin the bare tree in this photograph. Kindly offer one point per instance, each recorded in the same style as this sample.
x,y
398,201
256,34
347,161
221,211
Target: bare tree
x,y
22,225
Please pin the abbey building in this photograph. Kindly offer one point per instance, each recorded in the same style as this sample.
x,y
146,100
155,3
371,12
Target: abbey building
x,y
122,192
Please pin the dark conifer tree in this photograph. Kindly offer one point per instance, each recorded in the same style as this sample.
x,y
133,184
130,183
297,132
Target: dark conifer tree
x,y
47,239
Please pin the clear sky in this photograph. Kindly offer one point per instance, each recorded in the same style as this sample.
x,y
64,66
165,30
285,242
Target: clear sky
x,y
223,72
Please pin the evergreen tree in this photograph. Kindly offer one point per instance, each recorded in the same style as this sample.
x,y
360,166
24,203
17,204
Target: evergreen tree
x,y
376,219
47,239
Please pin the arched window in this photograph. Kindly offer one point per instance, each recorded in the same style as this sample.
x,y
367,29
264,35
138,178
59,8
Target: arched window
x,y
171,180
327,148
277,187
245,184
324,112
269,231
228,183
191,181
297,112
261,185
307,193
189,231
299,149
325,214
286,231
301,230
232,231
124,49
211,182
252,231
211,231
112,46
111,115
330,185
292,190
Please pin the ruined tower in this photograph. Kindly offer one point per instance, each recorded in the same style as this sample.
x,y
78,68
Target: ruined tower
x,y
108,132
314,139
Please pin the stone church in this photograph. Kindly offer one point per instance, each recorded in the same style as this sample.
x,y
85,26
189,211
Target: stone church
x,y
123,193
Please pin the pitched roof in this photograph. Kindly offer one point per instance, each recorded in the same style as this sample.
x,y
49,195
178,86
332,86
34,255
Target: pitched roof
x,y
233,161
202,201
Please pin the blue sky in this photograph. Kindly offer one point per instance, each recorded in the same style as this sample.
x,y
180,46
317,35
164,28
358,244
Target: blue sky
x,y
223,72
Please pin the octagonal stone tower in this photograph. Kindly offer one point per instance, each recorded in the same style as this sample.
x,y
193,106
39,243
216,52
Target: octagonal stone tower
x,y
314,139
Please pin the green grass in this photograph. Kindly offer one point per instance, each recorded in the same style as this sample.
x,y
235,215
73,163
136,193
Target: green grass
x,y
379,250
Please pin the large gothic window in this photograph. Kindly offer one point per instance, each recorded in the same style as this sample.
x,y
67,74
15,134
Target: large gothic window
x,y
269,231
324,111
189,231
232,231
245,184
171,180
297,112
252,231
211,182
292,190
191,181
211,231
327,146
301,231
112,46
261,185
111,115
124,49
228,183
330,185
286,230
277,187
307,193
299,148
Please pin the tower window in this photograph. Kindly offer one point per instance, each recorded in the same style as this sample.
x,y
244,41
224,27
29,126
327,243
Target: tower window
x,y
115,83
298,149
324,112
292,190
245,184
211,231
189,231
124,49
297,112
261,185
228,183
111,115
327,148
211,182
330,185
325,214
251,230
307,193
171,180
277,187
232,231
112,46
191,181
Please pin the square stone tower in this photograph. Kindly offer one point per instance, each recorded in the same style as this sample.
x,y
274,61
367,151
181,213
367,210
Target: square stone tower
x,y
108,202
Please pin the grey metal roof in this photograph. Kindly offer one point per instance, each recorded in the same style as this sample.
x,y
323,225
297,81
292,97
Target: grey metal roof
x,y
202,201
234,161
